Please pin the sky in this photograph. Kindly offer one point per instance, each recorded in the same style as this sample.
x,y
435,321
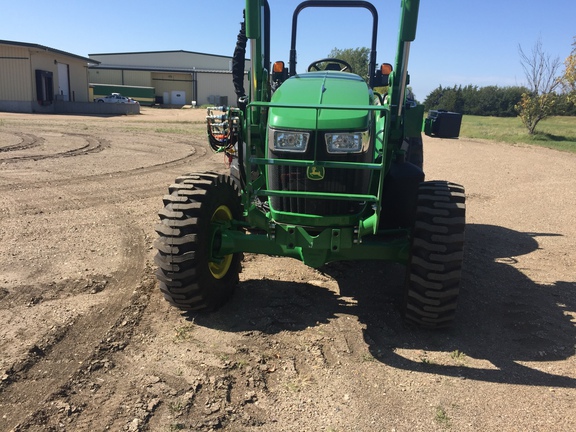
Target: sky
x,y
458,42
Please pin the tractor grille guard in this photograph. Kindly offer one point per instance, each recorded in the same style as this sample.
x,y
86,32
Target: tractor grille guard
x,y
340,201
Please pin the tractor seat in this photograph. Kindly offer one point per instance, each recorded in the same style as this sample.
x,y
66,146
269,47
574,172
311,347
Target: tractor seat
x,y
333,67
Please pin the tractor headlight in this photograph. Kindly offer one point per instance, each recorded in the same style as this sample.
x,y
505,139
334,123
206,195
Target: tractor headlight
x,y
345,142
288,141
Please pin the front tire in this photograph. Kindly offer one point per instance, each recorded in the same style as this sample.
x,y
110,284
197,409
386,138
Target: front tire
x,y
189,276
435,265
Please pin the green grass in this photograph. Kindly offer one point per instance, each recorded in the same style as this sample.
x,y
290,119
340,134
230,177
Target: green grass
x,y
442,417
368,358
458,355
183,333
176,406
554,132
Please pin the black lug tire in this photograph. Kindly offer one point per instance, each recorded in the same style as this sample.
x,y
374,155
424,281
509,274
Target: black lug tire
x,y
186,277
435,265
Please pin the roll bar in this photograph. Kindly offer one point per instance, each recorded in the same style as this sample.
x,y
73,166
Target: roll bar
x,y
332,4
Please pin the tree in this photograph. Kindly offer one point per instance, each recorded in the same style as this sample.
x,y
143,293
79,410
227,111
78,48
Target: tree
x,y
569,78
453,100
541,72
510,97
434,99
359,58
474,100
449,99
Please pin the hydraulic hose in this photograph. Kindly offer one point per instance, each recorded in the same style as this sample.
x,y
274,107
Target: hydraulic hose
x,y
239,60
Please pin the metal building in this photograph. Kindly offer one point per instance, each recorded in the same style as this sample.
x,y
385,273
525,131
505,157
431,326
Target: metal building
x,y
178,77
36,78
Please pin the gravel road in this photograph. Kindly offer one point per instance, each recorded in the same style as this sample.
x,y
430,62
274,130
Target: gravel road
x,y
88,343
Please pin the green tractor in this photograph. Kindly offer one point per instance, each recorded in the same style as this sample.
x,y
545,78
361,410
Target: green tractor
x,y
324,167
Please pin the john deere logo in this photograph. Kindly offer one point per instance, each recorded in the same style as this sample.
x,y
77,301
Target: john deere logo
x,y
315,173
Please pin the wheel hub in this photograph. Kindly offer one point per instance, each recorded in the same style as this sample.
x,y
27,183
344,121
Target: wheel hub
x,y
220,268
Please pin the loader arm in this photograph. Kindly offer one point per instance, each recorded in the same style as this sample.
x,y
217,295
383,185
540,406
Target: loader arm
x,y
399,78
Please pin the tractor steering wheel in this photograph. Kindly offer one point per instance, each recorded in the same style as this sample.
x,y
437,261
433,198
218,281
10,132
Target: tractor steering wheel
x,y
315,66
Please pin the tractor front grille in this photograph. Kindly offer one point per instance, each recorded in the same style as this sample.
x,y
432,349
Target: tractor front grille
x,y
336,180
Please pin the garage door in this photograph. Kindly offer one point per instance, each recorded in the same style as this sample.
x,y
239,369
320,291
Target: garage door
x,y
63,82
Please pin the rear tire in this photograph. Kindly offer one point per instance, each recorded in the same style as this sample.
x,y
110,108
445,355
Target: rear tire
x,y
188,277
435,265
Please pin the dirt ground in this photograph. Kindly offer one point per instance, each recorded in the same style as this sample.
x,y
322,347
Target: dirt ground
x,y
87,341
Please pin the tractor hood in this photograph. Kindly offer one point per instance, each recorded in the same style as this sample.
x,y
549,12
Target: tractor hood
x,y
325,88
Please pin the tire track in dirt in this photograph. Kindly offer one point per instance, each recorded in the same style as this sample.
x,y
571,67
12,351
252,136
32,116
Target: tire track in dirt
x,y
47,371
102,189
27,141
61,405
97,179
50,367
92,145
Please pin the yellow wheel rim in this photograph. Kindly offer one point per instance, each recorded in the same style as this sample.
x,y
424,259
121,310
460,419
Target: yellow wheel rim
x,y
220,269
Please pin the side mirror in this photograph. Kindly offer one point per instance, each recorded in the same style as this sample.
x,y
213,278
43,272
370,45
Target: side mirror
x,y
382,75
279,73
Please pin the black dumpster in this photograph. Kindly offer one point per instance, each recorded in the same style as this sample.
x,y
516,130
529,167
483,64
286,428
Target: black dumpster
x,y
443,124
